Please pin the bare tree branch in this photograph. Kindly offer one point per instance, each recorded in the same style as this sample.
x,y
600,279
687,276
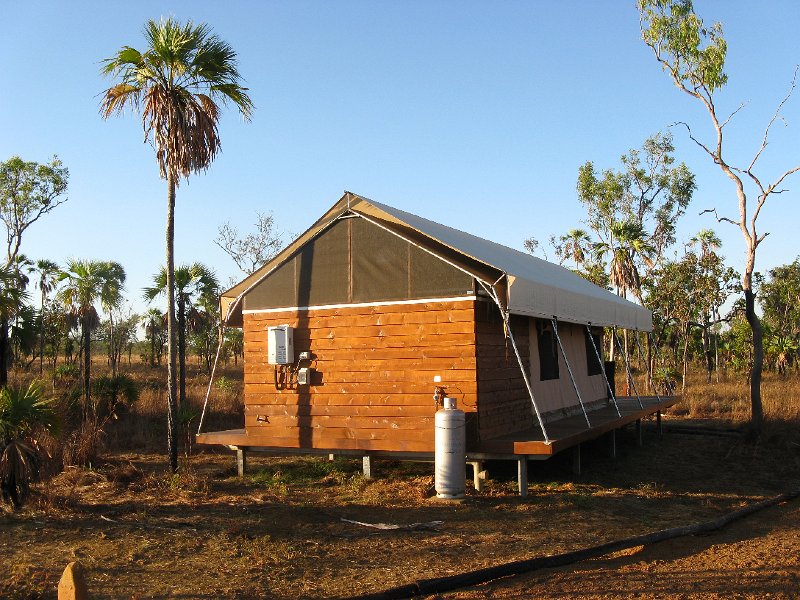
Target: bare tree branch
x,y
718,218
774,118
726,121
696,141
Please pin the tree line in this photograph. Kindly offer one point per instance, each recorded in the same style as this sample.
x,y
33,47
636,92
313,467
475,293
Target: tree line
x,y
183,76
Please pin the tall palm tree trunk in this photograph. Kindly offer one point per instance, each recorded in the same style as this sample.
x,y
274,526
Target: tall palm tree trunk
x,y
182,349
4,351
172,388
87,364
112,347
41,339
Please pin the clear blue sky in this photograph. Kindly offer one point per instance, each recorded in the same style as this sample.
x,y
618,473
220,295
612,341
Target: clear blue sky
x,y
472,114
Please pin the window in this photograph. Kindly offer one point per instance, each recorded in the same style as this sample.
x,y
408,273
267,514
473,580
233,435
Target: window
x,y
593,366
548,351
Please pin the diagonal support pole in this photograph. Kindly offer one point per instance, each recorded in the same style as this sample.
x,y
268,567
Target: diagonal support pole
x,y
627,366
506,321
571,376
603,371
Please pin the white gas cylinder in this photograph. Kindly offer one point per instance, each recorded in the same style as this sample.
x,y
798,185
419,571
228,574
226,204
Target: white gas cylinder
x,y
450,442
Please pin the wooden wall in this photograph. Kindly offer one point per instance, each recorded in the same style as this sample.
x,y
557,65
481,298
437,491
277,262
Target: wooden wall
x,y
374,383
505,405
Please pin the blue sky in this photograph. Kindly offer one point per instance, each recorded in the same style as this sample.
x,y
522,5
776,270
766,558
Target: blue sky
x,y
473,114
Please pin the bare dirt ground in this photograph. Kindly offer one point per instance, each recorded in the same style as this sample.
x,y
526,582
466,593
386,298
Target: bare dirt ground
x,y
278,533
758,557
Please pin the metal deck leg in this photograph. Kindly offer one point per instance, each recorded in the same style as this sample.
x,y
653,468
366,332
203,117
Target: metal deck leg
x,y
576,459
522,475
366,463
613,445
478,475
241,461
659,425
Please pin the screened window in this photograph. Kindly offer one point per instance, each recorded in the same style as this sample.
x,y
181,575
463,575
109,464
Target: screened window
x,y
354,260
548,351
593,365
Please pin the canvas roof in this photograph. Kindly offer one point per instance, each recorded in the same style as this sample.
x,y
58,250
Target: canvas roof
x,y
526,284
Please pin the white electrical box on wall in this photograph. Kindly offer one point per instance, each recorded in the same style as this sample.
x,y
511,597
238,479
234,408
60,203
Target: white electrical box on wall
x,y
280,345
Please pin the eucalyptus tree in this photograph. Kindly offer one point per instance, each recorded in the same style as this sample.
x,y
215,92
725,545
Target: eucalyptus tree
x,y
633,212
693,56
177,83
252,250
780,302
194,284
84,284
28,191
47,270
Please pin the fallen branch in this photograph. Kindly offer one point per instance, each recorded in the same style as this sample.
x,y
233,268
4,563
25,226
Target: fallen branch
x,y
425,587
429,526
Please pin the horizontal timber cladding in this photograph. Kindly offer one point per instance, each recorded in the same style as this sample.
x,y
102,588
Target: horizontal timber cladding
x,y
354,261
505,406
373,383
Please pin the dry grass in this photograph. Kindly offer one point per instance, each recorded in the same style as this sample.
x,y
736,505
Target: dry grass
x,y
203,533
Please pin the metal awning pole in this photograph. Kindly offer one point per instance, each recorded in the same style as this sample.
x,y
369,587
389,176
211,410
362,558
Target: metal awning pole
x,y
211,379
569,370
231,308
649,371
506,321
603,370
627,366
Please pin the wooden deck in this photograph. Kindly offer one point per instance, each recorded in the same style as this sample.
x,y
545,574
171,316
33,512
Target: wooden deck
x,y
563,434
571,431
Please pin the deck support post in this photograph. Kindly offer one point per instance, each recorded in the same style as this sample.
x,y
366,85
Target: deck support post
x,y
478,474
639,440
613,445
522,475
659,425
241,461
366,463
576,459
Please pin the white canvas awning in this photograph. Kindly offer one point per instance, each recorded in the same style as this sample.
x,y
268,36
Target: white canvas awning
x,y
533,287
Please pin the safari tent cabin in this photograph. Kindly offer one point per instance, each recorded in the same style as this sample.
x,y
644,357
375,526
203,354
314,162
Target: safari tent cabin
x,y
345,330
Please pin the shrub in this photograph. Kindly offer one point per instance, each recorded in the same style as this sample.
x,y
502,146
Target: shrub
x,y
24,412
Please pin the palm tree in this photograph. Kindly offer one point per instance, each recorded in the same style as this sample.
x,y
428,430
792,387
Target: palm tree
x,y
47,270
23,411
572,245
192,282
629,243
153,329
176,82
708,240
87,282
